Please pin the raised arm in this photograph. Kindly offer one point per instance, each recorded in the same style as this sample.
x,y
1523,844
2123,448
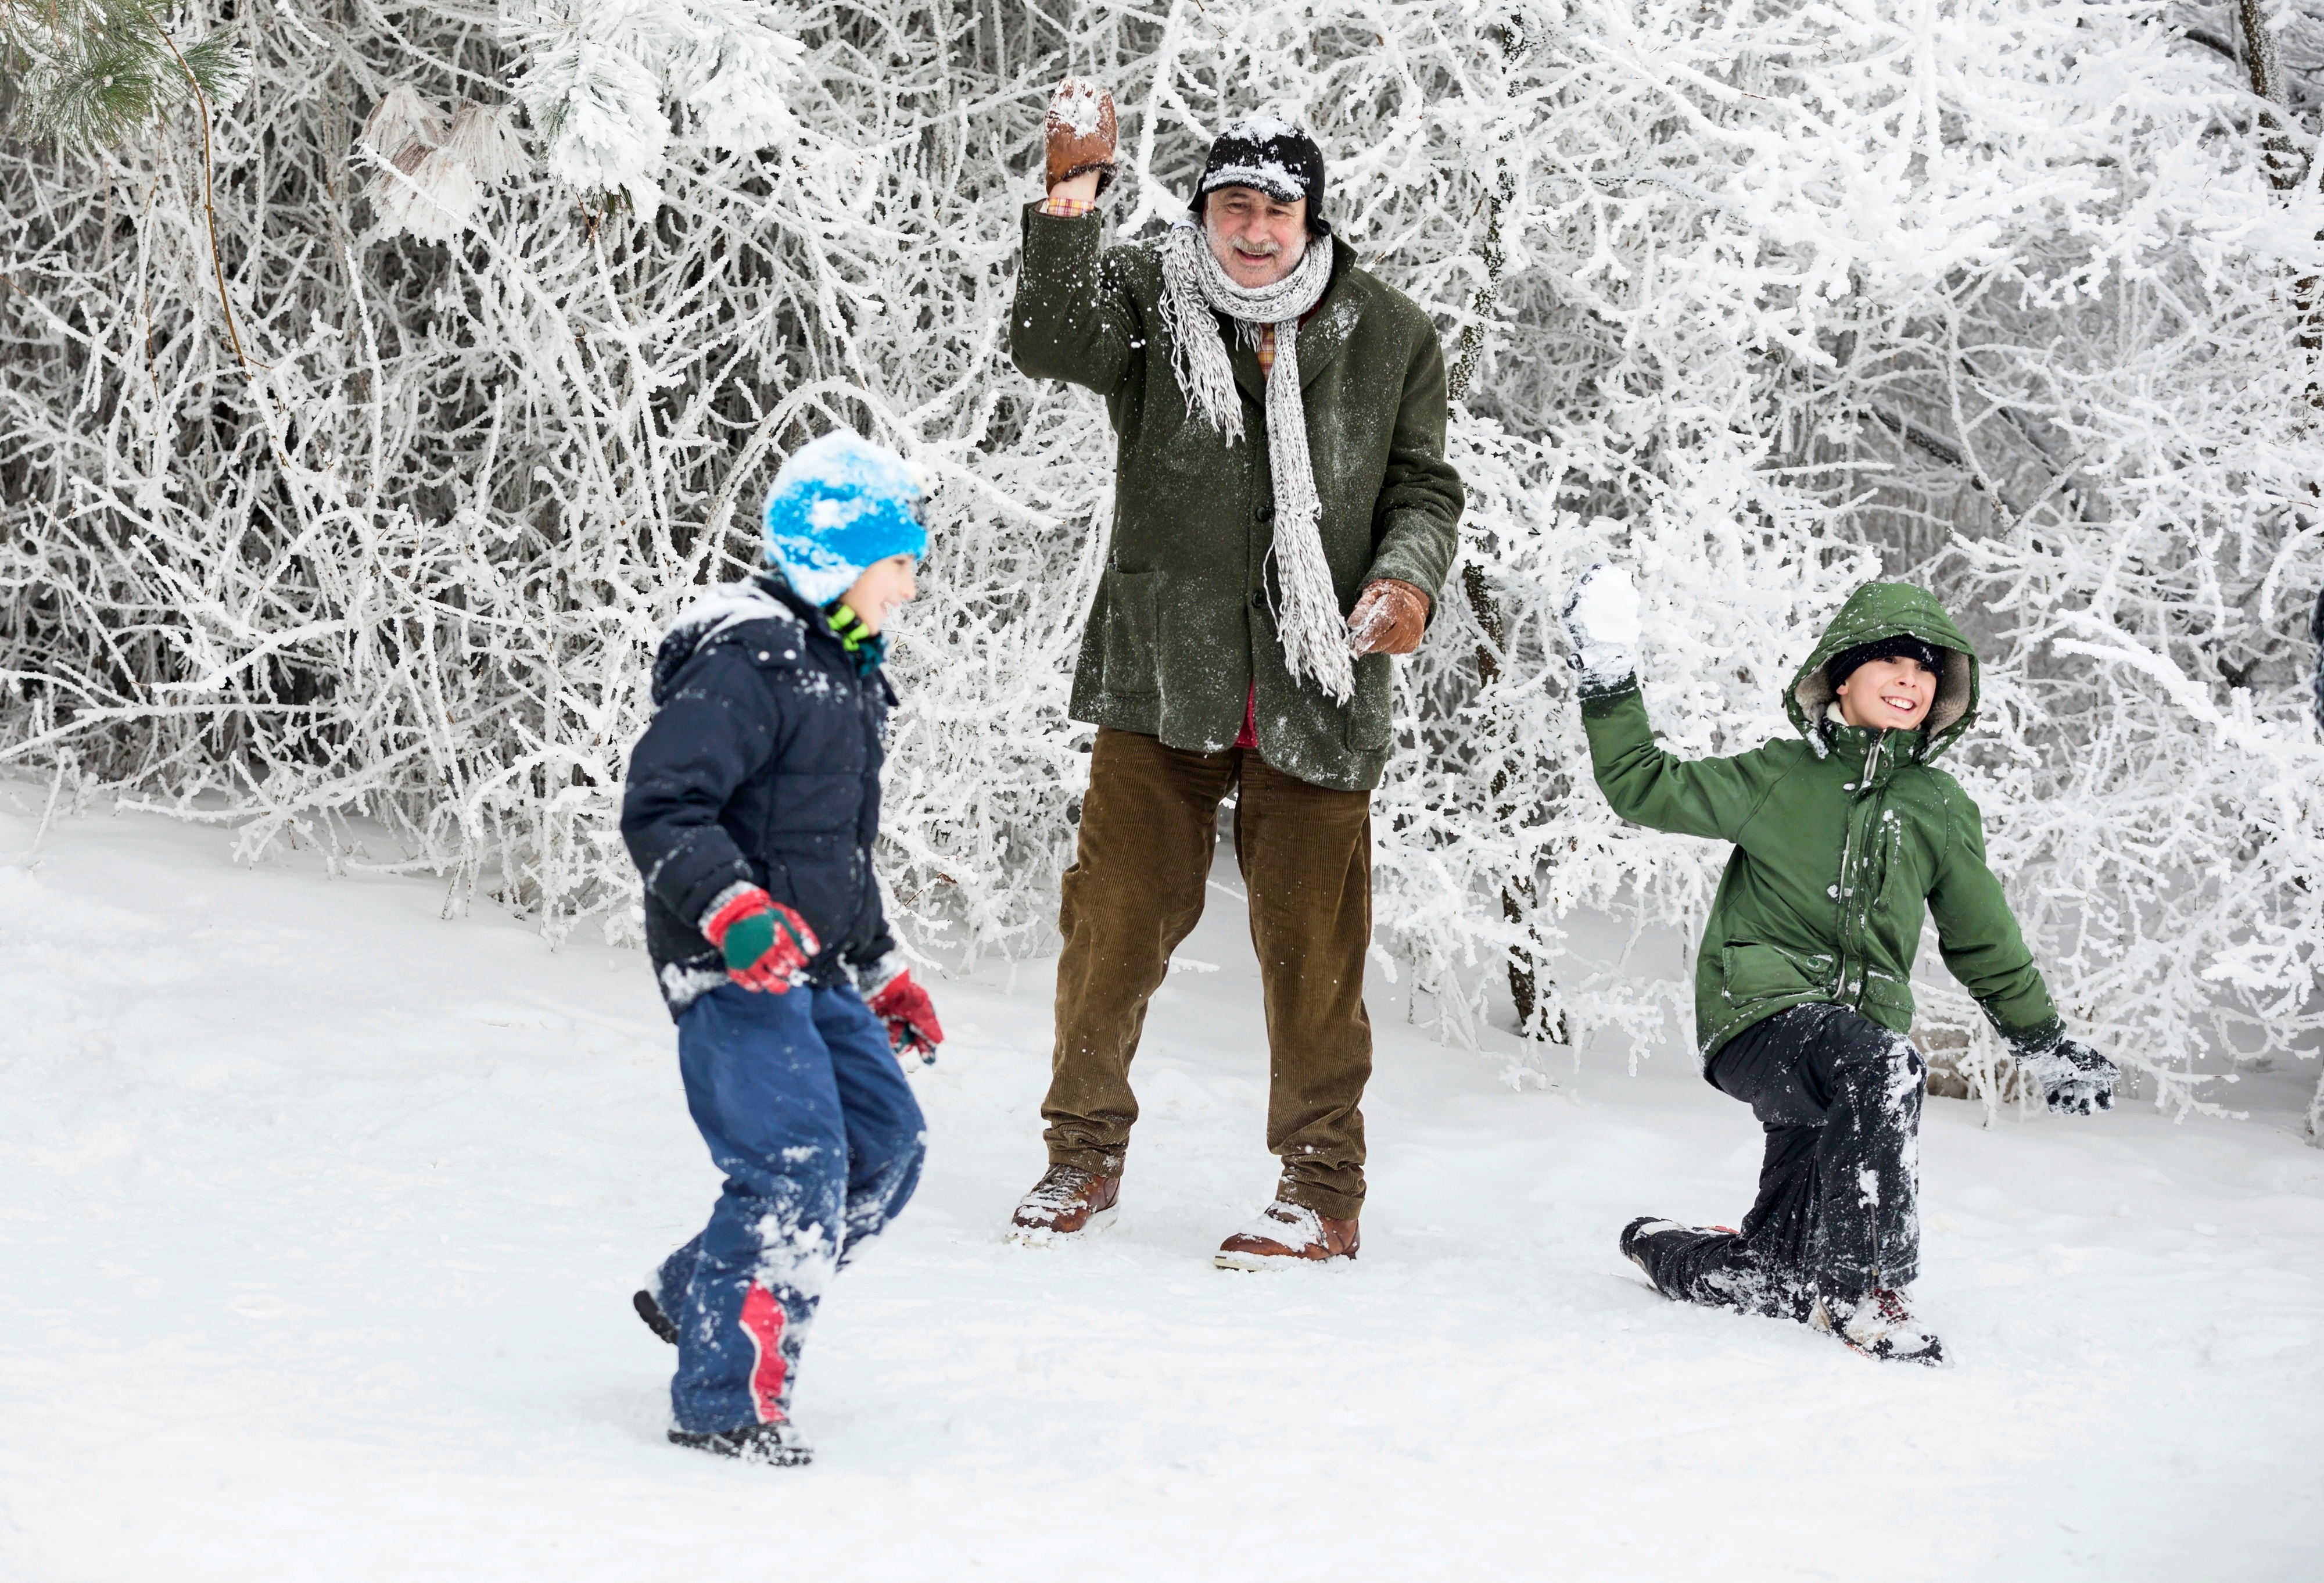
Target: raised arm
x,y
1073,320
1710,797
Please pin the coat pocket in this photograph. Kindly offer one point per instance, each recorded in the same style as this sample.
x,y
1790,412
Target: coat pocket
x,y
1371,715
1130,634
1751,972
1889,999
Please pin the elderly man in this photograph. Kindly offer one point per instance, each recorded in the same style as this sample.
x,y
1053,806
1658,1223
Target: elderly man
x,y
1283,518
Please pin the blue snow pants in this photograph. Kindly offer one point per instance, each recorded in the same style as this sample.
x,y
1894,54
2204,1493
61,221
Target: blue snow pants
x,y
806,1111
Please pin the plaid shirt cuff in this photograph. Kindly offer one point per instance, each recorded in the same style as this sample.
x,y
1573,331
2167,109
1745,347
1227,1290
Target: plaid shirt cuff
x,y
1066,208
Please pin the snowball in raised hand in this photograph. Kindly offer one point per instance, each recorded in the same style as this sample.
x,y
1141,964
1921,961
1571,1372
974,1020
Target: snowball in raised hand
x,y
1080,135
1602,622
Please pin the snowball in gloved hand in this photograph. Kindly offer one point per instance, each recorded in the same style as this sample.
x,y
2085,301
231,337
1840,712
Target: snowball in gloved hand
x,y
1389,618
1079,132
1604,609
1602,622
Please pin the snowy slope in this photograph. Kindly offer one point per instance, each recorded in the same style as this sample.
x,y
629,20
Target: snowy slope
x,y
319,1216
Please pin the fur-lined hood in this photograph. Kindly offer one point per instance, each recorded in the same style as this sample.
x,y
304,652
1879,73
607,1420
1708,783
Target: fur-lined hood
x,y
1877,611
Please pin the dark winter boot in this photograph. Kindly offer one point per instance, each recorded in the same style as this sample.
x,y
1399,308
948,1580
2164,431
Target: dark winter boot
x,y
1657,1246
777,1445
1065,1202
1878,1325
1715,1266
656,1320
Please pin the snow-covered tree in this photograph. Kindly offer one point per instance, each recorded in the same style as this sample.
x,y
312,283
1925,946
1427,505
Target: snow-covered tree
x,y
2015,297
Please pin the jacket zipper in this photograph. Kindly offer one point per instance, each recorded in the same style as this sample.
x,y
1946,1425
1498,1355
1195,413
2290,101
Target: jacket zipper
x,y
1848,885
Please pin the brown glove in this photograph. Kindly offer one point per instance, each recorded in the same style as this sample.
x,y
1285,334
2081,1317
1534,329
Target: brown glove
x,y
1389,618
1081,133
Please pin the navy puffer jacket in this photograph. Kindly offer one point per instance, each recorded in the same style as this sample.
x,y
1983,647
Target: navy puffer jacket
x,y
761,765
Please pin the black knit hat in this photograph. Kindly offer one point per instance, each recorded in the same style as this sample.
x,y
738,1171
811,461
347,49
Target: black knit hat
x,y
1903,646
1272,156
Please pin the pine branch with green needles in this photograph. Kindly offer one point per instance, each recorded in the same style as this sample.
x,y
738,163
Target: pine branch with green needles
x,y
88,73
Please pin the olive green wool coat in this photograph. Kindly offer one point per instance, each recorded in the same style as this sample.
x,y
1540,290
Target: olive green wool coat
x,y
1181,628
1840,840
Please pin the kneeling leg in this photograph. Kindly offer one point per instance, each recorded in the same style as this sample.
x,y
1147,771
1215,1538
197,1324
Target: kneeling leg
x,y
1758,1270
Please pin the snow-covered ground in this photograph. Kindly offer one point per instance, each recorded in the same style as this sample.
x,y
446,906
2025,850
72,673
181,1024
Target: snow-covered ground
x,y
319,1216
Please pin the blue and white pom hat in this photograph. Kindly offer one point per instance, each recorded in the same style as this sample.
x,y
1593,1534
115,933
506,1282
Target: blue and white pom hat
x,y
840,504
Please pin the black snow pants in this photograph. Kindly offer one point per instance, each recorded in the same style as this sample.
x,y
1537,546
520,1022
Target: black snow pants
x,y
1838,1209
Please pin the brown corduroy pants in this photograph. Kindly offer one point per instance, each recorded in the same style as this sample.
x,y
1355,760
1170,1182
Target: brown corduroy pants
x,y
1136,890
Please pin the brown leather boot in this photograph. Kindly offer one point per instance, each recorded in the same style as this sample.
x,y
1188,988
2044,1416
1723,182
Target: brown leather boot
x,y
1285,1234
1065,1202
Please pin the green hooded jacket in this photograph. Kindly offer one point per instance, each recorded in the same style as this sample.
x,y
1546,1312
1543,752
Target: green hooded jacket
x,y
1181,628
1840,840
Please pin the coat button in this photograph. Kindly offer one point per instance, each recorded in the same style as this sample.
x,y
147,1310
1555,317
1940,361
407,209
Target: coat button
x,y
1266,514
1258,600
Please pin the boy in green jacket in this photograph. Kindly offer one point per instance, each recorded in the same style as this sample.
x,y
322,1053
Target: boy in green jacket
x,y
1803,983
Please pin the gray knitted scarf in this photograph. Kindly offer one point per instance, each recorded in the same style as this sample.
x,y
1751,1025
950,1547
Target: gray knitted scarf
x,y
1313,634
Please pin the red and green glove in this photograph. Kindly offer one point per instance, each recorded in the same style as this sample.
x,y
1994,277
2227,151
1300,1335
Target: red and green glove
x,y
905,1008
765,943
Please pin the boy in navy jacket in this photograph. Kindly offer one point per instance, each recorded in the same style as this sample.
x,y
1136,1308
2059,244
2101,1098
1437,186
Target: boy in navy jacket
x,y
750,809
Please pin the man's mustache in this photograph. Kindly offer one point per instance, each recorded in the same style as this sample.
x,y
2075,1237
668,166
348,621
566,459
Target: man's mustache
x,y
1255,249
